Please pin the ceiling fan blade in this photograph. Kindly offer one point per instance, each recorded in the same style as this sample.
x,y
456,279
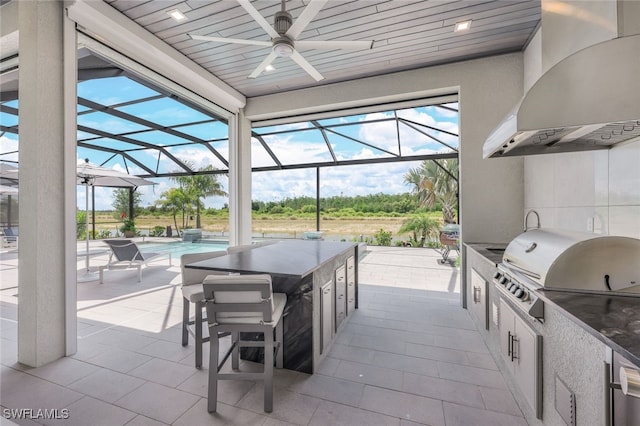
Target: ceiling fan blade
x,y
305,17
230,40
246,4
330,45
263,65
298,59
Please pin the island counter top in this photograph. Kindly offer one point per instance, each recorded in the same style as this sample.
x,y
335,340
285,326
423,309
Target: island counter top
x,y
295,258
300,269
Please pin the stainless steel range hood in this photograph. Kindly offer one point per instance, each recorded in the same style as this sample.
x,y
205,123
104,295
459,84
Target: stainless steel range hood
x,y
587,101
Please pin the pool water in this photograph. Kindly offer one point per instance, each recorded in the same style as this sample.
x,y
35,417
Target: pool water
x,y
178,248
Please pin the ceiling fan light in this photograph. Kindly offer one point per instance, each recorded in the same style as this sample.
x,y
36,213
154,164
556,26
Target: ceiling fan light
x,y
283,50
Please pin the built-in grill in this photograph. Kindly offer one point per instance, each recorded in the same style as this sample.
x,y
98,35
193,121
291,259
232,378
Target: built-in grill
x,y
570,261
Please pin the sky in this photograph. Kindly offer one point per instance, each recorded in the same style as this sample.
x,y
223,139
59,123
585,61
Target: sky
x,y
377,131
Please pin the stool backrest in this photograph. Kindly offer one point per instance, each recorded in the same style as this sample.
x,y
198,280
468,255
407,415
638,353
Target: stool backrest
x,y
238,299
240,248
192,276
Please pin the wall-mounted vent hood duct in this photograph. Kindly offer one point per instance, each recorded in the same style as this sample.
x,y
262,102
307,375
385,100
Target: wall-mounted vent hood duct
x,y
590,100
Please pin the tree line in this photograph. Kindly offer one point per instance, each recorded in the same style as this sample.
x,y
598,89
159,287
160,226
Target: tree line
x,y
434,188
373,203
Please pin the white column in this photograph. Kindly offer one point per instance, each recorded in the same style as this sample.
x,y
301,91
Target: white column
x,y
70,40
44,185
239,180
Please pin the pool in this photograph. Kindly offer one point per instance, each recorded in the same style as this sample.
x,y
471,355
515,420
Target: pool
x,y
178,248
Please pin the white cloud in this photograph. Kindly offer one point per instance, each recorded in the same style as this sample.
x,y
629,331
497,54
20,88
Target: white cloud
x,y
9,148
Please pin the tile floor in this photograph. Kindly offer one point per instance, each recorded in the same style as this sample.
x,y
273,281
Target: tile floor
x,y
409,355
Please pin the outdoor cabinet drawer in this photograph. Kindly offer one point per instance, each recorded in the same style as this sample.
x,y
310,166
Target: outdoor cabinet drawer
x,y
326,319
341,296
351,284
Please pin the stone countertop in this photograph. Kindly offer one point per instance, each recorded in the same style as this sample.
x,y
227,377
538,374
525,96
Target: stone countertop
x,y
615,320
297,258
491,251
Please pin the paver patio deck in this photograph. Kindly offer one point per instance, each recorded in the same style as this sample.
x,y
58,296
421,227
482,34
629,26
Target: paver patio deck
x,y
409,355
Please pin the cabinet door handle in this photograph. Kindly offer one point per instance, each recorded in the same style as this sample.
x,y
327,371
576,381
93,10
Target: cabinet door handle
x,y
476,294
513,347
509,344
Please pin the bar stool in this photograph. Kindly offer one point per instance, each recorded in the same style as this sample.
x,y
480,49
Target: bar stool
x,y
243,304
192,293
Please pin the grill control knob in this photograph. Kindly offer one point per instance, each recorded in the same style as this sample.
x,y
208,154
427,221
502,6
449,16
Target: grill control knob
x,y
497,275
519,293
503,281
514,288
511,286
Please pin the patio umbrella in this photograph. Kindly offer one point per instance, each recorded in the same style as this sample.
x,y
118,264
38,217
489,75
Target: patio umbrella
x,y
93,175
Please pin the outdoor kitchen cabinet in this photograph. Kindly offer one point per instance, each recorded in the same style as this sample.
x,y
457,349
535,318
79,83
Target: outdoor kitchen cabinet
x,y
341,296
326,316
479,300
521,347
351,284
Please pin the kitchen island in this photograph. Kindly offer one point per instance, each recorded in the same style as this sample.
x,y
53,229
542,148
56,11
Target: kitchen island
x,y
320,281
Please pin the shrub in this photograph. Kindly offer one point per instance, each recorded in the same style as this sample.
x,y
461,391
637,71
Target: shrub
x,y
276,210
382,237
81,225
128,225
156,231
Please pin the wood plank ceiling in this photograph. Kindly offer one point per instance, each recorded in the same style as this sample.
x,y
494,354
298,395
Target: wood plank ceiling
x,y
407,34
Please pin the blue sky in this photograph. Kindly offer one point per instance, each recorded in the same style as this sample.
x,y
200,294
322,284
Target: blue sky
x,y
380,137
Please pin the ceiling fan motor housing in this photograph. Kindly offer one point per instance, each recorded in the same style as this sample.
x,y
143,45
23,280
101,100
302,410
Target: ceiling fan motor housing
x,y
282,22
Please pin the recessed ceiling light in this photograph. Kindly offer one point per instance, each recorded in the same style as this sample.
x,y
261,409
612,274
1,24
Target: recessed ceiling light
x,y
177,15
462,25
270,68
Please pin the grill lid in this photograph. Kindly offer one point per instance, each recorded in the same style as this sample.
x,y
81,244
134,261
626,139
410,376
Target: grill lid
x,y
558,259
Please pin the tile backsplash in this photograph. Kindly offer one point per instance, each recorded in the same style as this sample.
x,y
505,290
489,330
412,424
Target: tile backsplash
x,y
595,191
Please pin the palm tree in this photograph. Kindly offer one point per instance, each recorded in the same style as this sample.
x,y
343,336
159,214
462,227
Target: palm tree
x,y
174,200
420,226
436,182
199,186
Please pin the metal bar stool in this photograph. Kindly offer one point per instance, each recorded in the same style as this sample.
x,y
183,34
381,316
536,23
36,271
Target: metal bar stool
x,y
192,292
243,304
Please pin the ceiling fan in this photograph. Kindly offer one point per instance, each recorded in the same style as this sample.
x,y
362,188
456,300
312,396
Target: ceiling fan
x,y
283,37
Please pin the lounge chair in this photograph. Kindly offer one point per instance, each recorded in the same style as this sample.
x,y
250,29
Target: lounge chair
x,y
126,254
10,237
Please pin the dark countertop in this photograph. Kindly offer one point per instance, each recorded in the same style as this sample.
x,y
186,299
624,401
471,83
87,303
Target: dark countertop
x,y
290,257
614,320
492,251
